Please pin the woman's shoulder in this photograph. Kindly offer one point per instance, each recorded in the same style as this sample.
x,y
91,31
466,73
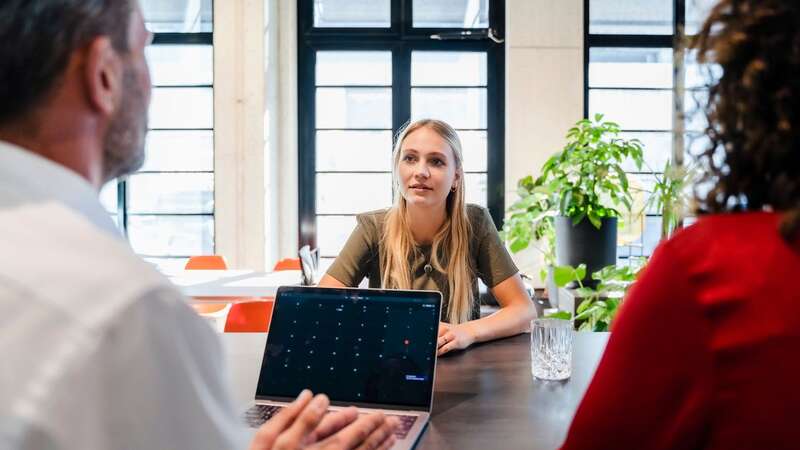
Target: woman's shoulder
x,y
479,218
372,220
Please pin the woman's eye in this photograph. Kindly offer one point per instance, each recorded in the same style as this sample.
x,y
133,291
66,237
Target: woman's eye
x,y
437,162
408,158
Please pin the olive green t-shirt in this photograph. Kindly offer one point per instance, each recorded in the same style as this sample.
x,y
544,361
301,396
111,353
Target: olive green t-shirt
x,y
488,258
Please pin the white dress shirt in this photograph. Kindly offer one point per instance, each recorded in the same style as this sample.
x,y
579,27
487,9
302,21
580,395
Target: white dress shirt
x,y
97,349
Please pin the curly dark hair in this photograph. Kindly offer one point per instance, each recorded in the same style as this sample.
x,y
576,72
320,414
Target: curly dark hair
x,y
753,111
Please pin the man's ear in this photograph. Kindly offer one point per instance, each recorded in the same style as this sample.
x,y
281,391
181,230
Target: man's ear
x,y
103,75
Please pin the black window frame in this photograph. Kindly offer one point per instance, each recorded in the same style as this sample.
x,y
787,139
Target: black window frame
x,y
677,41
198,38
401,39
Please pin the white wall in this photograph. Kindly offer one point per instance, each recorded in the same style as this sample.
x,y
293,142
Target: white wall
x,y
239,143
544,90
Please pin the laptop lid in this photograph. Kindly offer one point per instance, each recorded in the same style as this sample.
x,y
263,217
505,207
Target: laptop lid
x,y
365,347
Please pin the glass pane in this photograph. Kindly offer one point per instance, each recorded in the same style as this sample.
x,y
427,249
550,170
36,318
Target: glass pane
x,y
657,150
332,233
630,17
459,107
451,13
448,69
633,110
171,235
641,187
354,151
181,65
177,16
108,196
476,188
700,75
694,102
475,150
696,13
191,193
695,143
182,108
354,108
354,68
645,237
190,151
353,193
352,13
630,67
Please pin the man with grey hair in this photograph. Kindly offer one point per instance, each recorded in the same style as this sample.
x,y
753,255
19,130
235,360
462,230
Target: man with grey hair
x,y
99,350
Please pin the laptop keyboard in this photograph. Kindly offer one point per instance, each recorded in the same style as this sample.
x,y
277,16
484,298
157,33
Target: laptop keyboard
x,y
258,414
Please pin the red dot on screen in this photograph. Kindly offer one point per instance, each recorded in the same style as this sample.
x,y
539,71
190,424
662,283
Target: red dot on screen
x,y
405,341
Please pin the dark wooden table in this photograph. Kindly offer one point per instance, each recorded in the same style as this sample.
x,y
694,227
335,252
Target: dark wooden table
x,y
486,398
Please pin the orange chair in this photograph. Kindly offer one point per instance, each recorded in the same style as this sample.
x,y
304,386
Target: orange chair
x,y
255,316
206,262
209,262
288,264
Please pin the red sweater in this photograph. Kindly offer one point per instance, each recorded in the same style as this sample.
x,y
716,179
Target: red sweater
x,y
705,352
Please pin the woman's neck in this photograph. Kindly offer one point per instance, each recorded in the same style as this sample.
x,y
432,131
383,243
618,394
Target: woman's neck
x,y
425,223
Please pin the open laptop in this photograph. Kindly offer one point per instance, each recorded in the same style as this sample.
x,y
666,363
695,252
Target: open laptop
x,y
371,348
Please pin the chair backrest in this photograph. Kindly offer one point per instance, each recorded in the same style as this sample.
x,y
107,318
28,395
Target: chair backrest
x,y
250,317
288,264
206,262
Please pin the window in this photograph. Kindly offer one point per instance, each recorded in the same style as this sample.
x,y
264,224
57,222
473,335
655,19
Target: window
x,y
367,67
167,208
638,74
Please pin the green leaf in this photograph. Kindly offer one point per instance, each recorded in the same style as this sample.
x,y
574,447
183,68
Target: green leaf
x,y
563,315
577,219
600,326
581,272
595,220
562,275
585,292
518,245
583,306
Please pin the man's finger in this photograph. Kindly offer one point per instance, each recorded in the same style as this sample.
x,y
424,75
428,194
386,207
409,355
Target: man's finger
x,y
267,434
354,434
332,423
304,424
379,437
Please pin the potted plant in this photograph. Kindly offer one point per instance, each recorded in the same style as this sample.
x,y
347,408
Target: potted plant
x,y
575,203
597,306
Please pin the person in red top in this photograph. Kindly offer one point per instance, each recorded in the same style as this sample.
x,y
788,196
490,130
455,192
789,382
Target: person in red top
x,y
705,352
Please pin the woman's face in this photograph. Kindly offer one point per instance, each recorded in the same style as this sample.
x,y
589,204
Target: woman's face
x,y
427,169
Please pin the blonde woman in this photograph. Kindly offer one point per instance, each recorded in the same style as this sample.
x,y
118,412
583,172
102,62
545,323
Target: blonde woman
x,y
431,239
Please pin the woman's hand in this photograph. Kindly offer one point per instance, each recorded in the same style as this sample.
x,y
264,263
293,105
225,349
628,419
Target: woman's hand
x,y
454,337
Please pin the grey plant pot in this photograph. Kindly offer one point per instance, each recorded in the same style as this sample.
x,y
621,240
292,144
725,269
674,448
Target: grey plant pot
x,y
585,244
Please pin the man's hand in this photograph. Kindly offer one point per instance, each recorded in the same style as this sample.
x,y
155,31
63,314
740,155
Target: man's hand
x,y
304,424
454,337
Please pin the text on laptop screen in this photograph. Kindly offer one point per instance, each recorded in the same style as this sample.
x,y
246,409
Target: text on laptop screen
x,y
356,346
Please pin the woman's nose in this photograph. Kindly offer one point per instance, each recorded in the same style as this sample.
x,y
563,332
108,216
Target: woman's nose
x,y
422,171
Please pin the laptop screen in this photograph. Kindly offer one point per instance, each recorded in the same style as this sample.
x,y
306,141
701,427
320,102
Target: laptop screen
x,y
358,346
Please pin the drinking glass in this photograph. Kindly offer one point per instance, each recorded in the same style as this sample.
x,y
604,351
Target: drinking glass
x,y
551,349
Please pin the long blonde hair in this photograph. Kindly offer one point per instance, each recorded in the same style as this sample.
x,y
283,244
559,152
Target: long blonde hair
x,y
450,248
